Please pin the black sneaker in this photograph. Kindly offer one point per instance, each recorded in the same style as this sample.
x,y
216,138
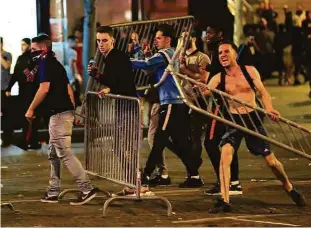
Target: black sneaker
x,y
158,180
145,180
235,190
35,146
214,191
49,198
192,183
297,197
86,197
220,207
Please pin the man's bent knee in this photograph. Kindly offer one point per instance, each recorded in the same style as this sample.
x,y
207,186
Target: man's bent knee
x,y
227,149
271,160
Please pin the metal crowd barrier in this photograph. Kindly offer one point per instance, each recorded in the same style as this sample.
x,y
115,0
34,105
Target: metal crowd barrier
x,y
146,32
281,132
113,134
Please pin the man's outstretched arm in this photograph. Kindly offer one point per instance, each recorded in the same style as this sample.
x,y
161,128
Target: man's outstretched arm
x,y
155,61
266,97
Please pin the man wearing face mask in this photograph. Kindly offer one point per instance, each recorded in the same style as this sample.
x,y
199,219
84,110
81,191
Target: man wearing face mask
x,y
56,93
28,87
215,130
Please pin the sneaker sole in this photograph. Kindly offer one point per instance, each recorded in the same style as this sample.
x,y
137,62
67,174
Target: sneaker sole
x,y
134,194
49,201
235,193
231,193
160,185
85,201
212,194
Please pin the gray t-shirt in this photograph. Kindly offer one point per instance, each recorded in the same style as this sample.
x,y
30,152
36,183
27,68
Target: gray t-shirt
x,y
72,56
5,73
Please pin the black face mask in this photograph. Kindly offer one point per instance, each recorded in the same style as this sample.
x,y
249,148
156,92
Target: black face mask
x,y
35,55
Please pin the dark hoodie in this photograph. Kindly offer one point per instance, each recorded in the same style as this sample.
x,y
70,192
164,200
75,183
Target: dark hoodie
x,y
27,87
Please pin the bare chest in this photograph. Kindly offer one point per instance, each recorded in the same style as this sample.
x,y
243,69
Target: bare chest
x,y
237,84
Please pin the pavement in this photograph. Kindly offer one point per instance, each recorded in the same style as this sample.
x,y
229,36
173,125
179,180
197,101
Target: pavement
x,y
24,177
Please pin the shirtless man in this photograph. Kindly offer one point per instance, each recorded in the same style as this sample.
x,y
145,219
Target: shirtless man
x,y
237,86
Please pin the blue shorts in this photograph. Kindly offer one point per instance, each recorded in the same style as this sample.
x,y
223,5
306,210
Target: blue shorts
x,y
254,144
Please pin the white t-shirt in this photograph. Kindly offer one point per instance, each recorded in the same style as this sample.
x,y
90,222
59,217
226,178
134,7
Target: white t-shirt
x,y
72,56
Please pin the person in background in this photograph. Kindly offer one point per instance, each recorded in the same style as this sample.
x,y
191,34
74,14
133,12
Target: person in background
x,y
193,64
28,85
73,74
306,28
78,33
6,126
281,41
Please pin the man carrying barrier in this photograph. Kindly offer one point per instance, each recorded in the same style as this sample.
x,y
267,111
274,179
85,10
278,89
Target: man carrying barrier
x,y
237,85
172,112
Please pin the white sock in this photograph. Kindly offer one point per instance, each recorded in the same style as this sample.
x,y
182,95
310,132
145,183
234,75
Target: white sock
x,y
195,177
235,182
164,176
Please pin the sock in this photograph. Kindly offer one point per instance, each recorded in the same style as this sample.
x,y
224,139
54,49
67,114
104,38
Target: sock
x,y
86,192
235,182
195,177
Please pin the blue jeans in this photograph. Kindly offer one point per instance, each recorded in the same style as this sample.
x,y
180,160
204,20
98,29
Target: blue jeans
x,y
60,130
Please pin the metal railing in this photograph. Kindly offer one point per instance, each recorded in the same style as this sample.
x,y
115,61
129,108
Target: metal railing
x,y
145,31
281,132
113,134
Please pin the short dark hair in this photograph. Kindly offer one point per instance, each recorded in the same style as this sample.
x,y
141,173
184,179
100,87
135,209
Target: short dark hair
x,y
214,27
71,37
35,39
1,39
234,47
26,40
105,29
43,39
167,30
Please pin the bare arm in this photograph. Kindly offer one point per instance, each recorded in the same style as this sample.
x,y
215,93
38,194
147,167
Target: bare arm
x,y
202,75
70,92
212,84
76,72
184,70
266,97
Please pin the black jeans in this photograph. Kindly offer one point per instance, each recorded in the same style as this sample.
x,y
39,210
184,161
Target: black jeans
x,y
197,121
6,120
177,127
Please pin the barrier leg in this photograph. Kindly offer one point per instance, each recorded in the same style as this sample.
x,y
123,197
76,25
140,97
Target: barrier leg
x,y
109,201
9,205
